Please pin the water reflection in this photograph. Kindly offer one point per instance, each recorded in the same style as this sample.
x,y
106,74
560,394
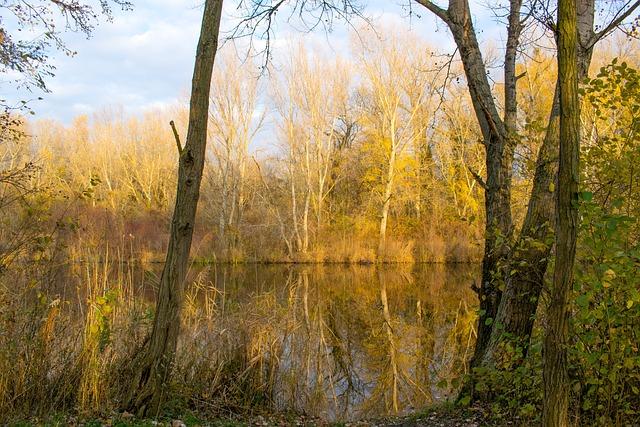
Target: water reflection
x,y
342,342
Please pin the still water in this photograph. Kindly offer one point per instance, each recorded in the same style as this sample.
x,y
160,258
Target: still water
x,y
341,342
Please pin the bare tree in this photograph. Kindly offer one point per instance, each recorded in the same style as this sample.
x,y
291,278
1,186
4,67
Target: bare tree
x,y
152,365
310,98
234,124
396,91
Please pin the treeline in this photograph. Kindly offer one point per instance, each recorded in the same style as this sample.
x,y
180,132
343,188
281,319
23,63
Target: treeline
x,y
374,156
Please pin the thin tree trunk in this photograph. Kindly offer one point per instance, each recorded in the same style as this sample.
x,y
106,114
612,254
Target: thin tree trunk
x,y
555,370
222,227
305,221
386,203
152,366
294,209
276,210
510,79
240,195
307,199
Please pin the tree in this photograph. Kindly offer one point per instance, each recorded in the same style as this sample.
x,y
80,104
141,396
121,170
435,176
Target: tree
x,y
29,56
396,91
556,376
498,138
529,258
233,127
152,366
515,270
310,99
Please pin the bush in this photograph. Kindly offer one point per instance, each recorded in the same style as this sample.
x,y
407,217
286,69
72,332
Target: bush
x,y
513,389
606,320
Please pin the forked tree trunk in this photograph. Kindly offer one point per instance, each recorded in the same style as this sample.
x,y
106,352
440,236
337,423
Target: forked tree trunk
x,y
556,377
514,311
515,316
528,263
152,366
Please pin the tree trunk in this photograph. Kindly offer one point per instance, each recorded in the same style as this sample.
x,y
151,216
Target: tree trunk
x,y
516,313
152,366
307,199
528,263
499,159
556,377
386,202
222,221
294,207
305,221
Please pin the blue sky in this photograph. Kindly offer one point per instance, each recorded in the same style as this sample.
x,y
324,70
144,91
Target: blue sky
x,y
143,59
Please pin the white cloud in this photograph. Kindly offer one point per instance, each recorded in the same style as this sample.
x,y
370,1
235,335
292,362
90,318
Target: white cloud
x,y
144,58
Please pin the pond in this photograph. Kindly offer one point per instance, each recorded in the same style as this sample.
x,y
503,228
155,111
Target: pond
x,y
340,342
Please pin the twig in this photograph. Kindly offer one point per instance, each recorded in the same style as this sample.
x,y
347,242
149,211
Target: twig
x,y
176,136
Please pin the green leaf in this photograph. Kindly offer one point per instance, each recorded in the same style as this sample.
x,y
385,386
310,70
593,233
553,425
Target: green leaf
x,y
582,301
587,196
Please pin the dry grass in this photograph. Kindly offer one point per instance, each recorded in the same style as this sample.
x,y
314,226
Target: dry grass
x,y
65,347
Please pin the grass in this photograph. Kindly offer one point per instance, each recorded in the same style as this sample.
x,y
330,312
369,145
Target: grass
x,y
65,344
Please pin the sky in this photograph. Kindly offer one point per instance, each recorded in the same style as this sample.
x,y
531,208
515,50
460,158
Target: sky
x,y
143,59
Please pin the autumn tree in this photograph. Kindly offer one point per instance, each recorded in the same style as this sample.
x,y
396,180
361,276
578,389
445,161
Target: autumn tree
x,y
515,268
395,91
310,99
498,137
151,368
529,258
233,125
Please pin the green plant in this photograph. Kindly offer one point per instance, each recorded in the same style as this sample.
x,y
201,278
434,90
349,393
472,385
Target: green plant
x,y
606,320
514,387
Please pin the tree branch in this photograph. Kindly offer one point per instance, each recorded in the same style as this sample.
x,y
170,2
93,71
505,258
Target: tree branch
x,y
436,10
478,178
176,136
614,23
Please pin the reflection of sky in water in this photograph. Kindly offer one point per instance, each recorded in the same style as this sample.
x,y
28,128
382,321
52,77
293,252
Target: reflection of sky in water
x,y
334,356
324,331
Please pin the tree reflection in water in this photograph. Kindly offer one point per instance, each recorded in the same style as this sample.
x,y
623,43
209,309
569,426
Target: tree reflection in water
x,y
343,342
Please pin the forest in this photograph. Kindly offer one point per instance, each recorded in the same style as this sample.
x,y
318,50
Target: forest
x,y
395,233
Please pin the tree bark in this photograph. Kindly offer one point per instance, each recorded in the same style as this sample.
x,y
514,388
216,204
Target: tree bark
x,y
307,196
529,260
555,370
386,202
152,366
514,310
499,160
